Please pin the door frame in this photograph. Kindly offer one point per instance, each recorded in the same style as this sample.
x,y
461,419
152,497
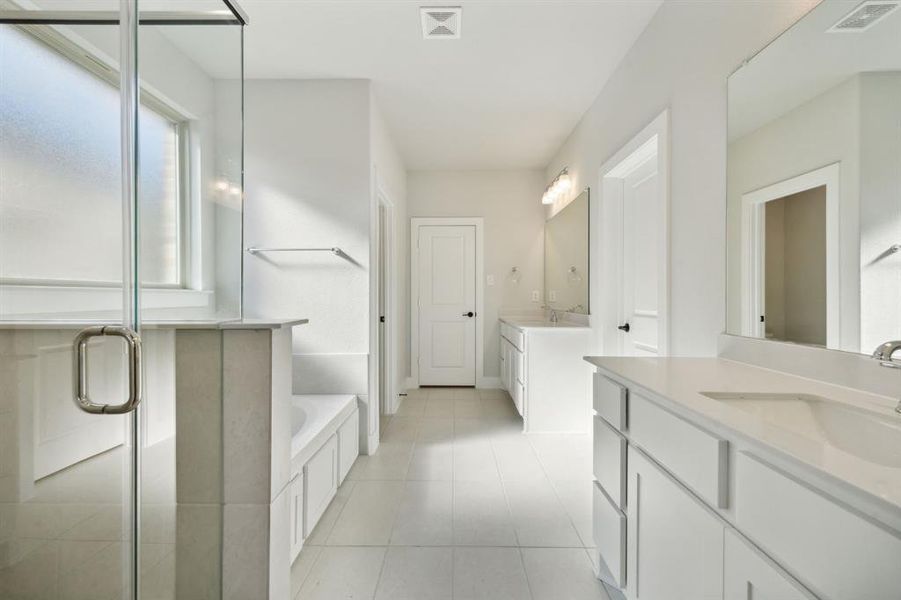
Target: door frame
x,y
415,224
653,139
387,405
753,249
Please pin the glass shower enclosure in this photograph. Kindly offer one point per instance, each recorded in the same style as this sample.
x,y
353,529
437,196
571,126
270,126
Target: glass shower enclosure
x,y
121,202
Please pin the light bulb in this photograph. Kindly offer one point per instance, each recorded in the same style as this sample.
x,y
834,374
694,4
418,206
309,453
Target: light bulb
x,y
222,185
565,182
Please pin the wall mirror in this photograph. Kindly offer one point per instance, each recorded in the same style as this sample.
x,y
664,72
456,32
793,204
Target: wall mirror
x,y
566,257
814,182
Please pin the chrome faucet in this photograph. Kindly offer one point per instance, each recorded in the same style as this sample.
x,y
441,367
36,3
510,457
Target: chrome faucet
x,y
883,354
553,311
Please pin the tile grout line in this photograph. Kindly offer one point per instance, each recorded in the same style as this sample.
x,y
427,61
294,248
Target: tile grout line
x,y
557,493
378,579
525,572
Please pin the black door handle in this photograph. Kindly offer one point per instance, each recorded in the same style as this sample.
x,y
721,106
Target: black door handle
x,y
625,328
469,314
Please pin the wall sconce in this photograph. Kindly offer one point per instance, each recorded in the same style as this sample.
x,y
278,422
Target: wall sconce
x,y
561,184
515,276
573,276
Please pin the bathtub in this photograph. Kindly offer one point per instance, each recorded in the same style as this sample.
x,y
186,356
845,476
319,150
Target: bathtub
x,y
325,443
315,419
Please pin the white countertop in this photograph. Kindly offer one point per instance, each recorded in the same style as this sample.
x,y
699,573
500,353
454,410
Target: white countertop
x,y
678,383
537,323
161,324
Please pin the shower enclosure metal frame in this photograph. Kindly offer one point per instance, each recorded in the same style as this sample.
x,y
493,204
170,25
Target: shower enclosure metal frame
x,y
129,19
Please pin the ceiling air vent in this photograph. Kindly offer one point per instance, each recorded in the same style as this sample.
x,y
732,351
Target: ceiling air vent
x,y
441,23
865,16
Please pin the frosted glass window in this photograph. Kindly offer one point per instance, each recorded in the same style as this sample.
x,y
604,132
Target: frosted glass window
x,y
60,173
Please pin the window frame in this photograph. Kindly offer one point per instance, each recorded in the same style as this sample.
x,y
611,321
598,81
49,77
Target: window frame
x,y
98,67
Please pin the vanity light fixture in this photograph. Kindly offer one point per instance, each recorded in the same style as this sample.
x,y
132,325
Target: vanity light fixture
x,y
561,184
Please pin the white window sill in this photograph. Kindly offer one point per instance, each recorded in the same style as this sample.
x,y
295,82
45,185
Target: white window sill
x,y
58,302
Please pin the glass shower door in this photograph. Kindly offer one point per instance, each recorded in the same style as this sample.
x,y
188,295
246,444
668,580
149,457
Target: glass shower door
x,y
70,351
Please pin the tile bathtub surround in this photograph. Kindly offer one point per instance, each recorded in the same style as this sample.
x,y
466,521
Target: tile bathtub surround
x,y
457,504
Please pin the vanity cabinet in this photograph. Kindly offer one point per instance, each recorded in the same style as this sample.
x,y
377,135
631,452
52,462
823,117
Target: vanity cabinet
x,y
295,499
541,368
512,373
707,515
748,574
320,476
675,549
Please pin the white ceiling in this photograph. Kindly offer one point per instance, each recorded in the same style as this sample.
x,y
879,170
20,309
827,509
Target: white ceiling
x,y
806,61
506,95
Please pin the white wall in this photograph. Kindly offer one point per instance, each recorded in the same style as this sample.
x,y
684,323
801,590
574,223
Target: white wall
x,y
681,61
317,152
510,204
308,185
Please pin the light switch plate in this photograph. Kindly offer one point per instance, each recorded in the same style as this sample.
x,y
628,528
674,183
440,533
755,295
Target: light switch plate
x,y
552,296
535,296
490,280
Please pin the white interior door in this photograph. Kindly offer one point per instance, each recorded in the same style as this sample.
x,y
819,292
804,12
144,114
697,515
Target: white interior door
x,y
639,310
447,304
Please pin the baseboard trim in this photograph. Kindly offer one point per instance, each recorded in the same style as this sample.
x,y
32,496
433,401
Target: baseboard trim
x,y
483,383
489,383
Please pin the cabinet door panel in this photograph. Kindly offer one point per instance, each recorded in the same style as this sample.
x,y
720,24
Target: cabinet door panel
x,y
748,575
296,515
675,543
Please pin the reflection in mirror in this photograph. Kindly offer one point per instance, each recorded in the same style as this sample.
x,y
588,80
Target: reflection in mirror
x,y
566,257
814,192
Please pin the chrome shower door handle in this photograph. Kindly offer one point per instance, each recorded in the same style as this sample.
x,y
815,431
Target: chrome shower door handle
x,y
135,382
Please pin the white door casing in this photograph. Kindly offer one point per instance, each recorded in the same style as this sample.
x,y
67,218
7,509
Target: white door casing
x,y
444,296
634,245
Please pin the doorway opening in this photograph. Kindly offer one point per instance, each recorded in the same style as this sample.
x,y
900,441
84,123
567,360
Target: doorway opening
x,y
385,307
790,259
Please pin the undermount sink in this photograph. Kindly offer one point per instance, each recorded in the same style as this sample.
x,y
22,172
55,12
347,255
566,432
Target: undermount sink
x,y
869,435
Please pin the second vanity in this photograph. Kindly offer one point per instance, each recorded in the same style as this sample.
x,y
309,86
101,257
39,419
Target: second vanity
x,y
716,479
542,370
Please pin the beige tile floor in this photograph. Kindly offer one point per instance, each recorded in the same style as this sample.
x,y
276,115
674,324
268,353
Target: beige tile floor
x,y
458,504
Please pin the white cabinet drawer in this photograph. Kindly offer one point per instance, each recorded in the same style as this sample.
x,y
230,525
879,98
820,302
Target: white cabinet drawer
x,y
696,457
750,575
610,401
835,552
609,529
516,337
348,444
610,461
295,497
518,395
519,367
320,476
